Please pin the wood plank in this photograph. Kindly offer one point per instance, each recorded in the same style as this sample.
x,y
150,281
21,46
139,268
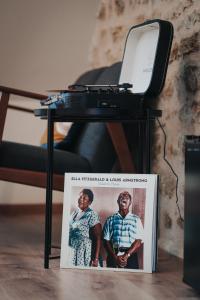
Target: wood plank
x,y
120,144
27,209
32,178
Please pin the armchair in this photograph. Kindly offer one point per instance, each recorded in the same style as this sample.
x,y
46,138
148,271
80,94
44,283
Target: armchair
x,y
95,150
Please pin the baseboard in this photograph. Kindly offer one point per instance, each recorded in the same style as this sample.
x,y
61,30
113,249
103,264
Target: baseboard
x,y
27,209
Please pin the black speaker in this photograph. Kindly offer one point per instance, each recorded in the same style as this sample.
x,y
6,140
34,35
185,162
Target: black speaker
x,y
192,212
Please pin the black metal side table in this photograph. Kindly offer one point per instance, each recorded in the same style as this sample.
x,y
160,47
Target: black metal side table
x,y
90,115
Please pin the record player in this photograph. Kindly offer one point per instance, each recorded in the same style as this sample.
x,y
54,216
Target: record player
x,y
142,76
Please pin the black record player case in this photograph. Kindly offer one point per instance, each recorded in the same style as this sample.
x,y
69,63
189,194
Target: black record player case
x,y
144,67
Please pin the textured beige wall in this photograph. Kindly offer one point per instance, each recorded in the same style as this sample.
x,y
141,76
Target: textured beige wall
x,y
179,100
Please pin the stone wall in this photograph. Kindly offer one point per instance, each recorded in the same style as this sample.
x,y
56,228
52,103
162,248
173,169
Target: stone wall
x,y
179,99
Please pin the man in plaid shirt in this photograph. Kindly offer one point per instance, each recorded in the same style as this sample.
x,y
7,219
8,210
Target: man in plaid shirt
x,y
123,235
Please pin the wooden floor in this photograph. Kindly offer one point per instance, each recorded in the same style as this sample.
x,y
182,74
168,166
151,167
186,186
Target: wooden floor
x,y
22,276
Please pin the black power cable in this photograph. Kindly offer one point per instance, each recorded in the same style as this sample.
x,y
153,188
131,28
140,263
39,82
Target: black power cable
x,y
171,168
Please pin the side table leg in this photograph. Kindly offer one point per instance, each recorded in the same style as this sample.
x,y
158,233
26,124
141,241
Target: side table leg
x,y
49,187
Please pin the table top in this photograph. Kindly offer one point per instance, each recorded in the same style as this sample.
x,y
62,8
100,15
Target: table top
x,y
95,114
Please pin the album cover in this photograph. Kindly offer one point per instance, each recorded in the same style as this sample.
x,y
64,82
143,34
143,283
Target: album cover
x,y
109,222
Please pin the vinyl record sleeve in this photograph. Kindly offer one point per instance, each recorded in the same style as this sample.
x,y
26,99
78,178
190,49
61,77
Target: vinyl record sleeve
x,y
139,223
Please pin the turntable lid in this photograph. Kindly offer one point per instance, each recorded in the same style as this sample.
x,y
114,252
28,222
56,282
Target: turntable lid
x,y
146,56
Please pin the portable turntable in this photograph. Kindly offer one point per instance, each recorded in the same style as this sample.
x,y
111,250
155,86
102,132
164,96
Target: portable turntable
x,y
142,77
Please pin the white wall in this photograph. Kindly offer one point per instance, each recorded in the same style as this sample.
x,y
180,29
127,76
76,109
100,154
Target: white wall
x,y
44,45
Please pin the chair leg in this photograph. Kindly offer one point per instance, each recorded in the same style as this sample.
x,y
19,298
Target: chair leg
x,y
120,144
3,111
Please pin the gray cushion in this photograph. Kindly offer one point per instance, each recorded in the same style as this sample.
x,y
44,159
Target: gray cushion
x,y
110,75
95,145
27,157
90,77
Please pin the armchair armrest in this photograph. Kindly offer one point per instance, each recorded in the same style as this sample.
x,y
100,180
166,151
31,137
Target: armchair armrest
x,y
8,90
5,95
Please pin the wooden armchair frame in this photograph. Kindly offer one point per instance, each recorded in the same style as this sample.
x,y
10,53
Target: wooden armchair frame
x,y
38,179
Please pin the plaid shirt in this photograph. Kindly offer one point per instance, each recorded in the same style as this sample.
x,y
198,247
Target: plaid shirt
x,y
122,232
